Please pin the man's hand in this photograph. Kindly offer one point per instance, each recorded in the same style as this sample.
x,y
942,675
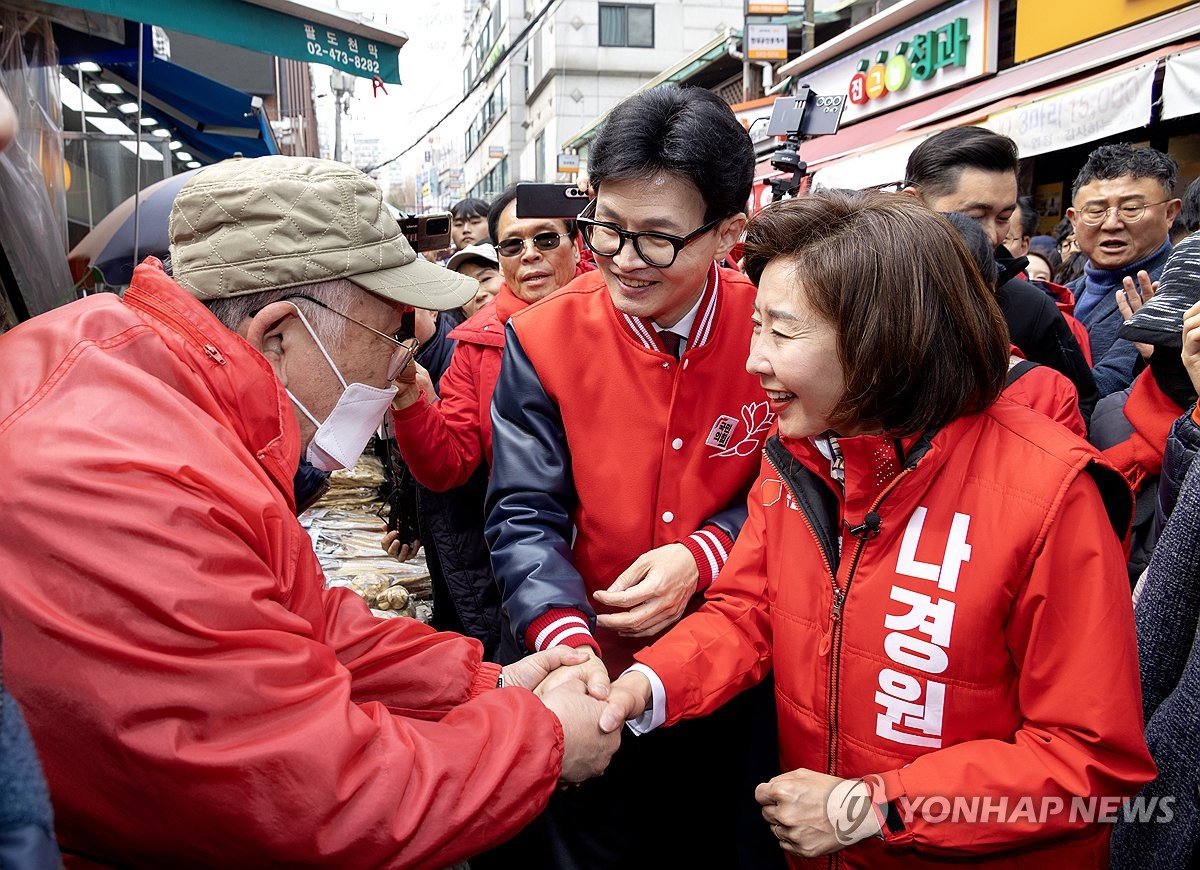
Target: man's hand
x,y
655,590
798,807
586,749
628,699
1191,345
590,673
412,379
532,670
1131,297
403,552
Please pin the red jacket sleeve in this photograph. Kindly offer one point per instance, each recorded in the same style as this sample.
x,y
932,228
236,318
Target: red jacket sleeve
x,y
725,646
1071,636
443,443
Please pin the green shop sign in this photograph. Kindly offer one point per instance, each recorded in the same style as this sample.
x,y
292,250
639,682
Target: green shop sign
x,y
235,22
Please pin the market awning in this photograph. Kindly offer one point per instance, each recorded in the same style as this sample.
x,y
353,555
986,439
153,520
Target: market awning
x,y
211,119
280,27
208,119
1181,84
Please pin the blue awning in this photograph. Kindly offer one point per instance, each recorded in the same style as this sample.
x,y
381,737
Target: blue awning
x,y
211,119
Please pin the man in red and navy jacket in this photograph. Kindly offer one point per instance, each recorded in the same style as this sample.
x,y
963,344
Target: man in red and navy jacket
x,y
626,432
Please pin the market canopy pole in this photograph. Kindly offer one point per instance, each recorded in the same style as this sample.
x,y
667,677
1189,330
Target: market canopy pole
x,y
278,27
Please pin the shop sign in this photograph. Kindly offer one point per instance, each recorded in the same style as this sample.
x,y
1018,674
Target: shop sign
x,y
766,8
1096,110
1181,85
766,41
926,57
495,152
568,163
258,28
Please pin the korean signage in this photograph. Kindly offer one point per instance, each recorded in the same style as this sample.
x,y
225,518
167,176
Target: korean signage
x,y
568,163
926,57
766,8
258,28
1092,111
342,51
495,152
766,41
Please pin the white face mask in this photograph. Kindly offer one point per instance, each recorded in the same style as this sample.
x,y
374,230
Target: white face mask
x,y
341,439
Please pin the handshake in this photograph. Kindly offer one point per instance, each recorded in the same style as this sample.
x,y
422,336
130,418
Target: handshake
x,y
573,684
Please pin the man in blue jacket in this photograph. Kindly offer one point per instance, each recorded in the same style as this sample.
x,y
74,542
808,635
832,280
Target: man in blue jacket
x,y
1123,205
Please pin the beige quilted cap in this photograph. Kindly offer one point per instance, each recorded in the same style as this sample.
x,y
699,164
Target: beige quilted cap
x,y
243,226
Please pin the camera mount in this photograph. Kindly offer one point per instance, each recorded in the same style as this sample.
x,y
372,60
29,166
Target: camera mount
x,y
799,117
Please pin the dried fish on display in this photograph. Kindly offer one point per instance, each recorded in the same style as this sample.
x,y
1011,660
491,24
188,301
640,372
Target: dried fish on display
x,y
346,533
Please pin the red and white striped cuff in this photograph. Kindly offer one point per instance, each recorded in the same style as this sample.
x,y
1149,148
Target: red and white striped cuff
x,y
710,548
561,626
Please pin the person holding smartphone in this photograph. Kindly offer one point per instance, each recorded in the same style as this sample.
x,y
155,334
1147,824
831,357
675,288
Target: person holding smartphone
x,y
447,441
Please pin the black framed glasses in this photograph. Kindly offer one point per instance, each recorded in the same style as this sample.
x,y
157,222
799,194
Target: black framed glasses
x,y
1129,212
542,241
401,356
656,249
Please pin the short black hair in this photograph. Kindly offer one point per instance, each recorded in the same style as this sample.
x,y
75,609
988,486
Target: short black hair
x,y
470,207
978,245
1190,215
688,132
1120,159
501,202
935,166
1029,215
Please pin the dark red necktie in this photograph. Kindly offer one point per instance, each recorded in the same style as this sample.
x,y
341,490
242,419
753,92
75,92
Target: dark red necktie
x,y
670,342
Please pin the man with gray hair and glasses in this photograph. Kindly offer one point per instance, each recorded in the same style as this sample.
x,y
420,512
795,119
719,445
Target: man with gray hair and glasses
x,y
1123,204
193,689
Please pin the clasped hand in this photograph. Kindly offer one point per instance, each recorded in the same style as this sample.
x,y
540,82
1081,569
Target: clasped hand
x,y
564,679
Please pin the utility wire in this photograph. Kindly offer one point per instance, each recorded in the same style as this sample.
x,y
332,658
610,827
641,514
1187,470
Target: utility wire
x,y
517,43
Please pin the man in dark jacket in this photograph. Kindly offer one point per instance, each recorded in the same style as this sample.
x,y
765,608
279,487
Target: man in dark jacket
x,y
974,171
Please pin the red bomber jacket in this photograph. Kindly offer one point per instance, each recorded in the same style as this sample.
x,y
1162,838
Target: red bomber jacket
x,y
194,691
607,447
957,623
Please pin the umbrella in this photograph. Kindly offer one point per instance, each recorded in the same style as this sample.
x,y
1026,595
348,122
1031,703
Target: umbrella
x,y
109,246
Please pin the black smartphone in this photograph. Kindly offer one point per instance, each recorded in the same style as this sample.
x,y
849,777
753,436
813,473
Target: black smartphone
x,y
426,232
408,326
536,200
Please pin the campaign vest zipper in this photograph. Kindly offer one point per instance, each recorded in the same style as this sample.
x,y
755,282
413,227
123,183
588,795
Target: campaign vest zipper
x,y
831,643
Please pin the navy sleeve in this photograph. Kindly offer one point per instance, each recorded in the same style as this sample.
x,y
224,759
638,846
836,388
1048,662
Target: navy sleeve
x,y
1182,446
531,498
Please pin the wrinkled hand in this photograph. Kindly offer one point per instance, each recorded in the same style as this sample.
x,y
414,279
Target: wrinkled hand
x,y
412,379
586,749
628,699
533,669
798,807
1191,345
1131,297
654,590
590,673
402,551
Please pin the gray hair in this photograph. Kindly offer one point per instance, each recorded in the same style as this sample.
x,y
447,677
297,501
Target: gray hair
x,y
338,294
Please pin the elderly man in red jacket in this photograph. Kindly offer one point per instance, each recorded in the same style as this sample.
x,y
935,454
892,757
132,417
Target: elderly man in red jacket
x,y
194,690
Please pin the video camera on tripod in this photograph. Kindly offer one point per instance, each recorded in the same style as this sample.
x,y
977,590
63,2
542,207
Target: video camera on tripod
x,y
799,117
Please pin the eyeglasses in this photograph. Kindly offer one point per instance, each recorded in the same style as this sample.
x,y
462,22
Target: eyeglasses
x,y
542,241
401,357
1068,245
1129,212
655,249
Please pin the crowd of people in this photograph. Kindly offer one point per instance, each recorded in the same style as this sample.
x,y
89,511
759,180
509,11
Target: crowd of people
x,y
865,526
